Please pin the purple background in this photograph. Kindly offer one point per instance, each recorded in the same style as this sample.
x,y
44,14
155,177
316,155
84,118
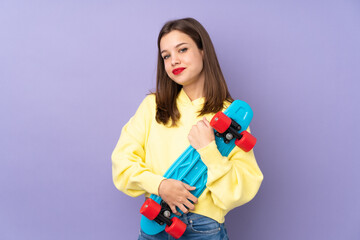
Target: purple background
x,y
73,72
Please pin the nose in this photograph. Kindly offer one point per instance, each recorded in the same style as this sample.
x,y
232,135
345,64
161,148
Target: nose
x,y
175,59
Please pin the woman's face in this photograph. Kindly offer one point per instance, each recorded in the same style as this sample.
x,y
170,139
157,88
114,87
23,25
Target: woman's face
x,y
183,60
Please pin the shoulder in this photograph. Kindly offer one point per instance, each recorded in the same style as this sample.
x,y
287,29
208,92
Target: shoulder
x,y
148,105
150,100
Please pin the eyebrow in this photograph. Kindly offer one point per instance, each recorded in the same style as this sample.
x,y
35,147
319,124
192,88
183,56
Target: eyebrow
x,y
175,46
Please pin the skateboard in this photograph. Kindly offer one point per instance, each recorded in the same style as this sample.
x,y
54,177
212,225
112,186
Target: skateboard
x,y
230,131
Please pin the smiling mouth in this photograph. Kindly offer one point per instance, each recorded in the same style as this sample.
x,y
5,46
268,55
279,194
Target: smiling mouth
x,y
177,71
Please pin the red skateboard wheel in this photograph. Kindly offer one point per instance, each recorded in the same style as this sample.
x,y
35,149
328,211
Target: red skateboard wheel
x,y
247,142
150,209
176,229
220,122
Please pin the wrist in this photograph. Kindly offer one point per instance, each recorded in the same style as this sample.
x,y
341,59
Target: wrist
x,y
208,145
160,186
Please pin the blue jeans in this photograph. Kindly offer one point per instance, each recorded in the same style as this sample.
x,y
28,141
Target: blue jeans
x,y
198,227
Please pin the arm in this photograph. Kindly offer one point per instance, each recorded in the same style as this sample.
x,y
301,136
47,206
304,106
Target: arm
x,y
232,180
130,173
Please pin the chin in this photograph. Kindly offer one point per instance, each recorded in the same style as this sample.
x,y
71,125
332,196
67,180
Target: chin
x,y
179,80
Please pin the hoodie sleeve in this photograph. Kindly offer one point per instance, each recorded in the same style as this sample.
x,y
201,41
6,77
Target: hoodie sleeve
x,y
130,173
232,180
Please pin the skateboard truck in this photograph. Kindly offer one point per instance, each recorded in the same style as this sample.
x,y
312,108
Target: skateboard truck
x,y
164,215
228,129
161,214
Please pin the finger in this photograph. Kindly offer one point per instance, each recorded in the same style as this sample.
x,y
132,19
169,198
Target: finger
x,y
189,205
206,122
173,209
192,198
188,187
182,208
201,123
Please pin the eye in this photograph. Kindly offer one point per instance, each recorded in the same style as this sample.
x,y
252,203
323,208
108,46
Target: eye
x,y
166,56
183,50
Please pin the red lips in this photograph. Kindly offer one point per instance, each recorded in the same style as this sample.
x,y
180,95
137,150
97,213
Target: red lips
x,y
177,71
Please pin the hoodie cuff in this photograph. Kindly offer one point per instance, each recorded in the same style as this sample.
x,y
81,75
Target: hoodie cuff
x,y
151,185
212,158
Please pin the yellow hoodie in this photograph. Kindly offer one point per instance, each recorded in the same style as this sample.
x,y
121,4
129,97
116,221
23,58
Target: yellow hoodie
x,y
146,149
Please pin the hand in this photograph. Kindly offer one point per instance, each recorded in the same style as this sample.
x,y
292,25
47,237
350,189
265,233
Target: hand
x,y
201,134
176,194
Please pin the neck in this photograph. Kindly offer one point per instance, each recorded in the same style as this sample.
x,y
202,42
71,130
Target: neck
x,y
195,90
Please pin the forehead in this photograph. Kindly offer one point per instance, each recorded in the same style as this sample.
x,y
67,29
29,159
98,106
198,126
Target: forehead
x,y
173,38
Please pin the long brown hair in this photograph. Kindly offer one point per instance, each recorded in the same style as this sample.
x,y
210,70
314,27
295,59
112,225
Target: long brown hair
x,y
215,88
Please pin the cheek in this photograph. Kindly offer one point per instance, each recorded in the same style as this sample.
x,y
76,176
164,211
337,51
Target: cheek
x,y
167,68
197,61
199,64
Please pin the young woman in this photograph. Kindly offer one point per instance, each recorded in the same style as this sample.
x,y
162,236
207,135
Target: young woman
x,y
190,89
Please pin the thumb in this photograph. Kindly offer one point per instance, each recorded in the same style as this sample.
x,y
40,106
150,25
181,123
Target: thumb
x,y
188,187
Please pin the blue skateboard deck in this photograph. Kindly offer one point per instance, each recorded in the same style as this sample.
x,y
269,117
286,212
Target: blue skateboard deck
x,y
189,168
